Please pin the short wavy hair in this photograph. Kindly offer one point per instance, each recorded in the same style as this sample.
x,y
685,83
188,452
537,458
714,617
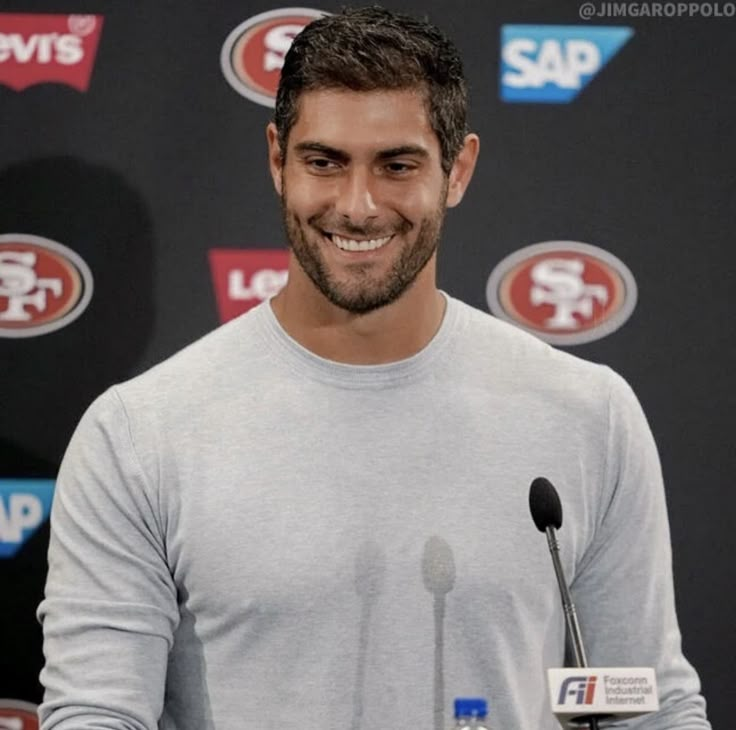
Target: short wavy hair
x,y
371,49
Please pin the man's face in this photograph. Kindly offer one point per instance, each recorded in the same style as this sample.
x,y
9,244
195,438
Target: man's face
x,y
363,193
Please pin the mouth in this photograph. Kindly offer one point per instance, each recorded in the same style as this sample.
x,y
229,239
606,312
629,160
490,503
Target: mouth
x,y
357,244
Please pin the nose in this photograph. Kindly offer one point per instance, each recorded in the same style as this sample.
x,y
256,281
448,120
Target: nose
x,y
356,198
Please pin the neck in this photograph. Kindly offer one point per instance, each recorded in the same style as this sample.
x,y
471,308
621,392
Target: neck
x,y
394,332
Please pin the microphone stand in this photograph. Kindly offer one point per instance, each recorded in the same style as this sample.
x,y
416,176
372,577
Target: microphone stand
x,y
568,607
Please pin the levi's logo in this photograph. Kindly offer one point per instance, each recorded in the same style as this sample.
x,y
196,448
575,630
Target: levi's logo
x,y
243,278
36,49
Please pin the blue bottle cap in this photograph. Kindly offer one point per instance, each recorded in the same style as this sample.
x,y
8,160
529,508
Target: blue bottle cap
x,y
471,707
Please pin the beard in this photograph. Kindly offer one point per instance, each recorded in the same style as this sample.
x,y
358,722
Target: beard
x,y
364,291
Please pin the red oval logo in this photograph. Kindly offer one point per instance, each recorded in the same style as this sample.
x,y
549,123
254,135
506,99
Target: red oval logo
x,y
253,54
43,285
18,715
565,292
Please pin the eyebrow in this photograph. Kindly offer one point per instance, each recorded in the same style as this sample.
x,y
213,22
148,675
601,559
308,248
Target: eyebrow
x,y
326,150
406,149
335,154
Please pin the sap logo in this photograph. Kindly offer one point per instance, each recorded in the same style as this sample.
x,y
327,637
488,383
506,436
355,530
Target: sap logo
x,y
554,63
24,505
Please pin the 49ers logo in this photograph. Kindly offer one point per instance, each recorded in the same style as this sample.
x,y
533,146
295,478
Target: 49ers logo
x,y
18,715
245,278
253,54
48,48
565,292
43,285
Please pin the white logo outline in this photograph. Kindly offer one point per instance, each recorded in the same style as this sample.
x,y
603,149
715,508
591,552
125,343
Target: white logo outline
x,y
21,706
610,325
227,47
77,309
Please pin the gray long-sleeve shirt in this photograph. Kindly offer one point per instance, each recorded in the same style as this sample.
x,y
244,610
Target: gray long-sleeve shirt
x,y
250,536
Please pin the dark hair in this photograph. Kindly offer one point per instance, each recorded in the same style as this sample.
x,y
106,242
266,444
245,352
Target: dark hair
x,y
369,49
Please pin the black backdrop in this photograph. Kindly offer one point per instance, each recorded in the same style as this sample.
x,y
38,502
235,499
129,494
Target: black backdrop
x,y
160,161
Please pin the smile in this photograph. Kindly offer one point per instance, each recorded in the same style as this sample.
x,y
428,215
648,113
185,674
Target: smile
x,y
351,244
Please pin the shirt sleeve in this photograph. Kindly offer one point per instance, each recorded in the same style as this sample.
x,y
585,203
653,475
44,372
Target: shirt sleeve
x,y
623,587
110,606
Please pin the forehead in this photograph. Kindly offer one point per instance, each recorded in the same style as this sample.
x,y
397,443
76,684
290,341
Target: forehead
x,y
364,120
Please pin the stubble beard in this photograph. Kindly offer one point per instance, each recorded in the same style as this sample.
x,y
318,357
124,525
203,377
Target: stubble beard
x,y
364,292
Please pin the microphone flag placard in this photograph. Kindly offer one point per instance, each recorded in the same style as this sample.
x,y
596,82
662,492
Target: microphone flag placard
x,y
622,692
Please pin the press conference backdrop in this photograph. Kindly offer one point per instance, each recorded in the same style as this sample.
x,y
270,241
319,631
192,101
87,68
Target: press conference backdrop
x,y
137,214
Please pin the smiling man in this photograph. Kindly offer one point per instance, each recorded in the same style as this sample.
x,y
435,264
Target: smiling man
x,y
363,207
316,516
367,154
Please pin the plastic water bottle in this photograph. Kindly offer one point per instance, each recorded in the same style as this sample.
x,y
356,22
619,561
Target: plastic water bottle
x,y
470,713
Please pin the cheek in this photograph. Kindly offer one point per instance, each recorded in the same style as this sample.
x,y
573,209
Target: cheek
x,y
416,203
307,197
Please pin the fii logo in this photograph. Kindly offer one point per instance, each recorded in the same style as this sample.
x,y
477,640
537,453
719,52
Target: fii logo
x,y
581,688
24,505
554,63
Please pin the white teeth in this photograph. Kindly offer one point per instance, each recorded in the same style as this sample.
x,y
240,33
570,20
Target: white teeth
x,y
349,244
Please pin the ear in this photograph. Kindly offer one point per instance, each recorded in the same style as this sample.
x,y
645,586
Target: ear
x,y
275,158
462,170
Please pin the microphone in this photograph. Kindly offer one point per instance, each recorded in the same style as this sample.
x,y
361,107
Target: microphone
x,y
592,701
546,509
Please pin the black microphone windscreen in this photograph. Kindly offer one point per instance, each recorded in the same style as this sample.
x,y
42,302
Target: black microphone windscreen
x,y
544,503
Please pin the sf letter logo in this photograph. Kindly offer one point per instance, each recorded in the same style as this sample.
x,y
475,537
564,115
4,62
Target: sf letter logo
x,y
22,288
581,688
560,282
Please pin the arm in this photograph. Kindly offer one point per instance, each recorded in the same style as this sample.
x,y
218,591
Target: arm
x,y
110,606
623,587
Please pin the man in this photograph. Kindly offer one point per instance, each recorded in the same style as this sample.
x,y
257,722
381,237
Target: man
x,y
316,516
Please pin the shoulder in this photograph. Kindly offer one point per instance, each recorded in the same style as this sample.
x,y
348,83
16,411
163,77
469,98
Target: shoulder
x,y
216,359
182,399
194,383
508,356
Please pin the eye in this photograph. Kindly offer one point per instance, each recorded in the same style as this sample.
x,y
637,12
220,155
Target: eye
x,y
400,168
321,164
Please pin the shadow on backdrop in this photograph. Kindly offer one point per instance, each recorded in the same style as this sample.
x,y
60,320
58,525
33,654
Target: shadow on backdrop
x,y
48,380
